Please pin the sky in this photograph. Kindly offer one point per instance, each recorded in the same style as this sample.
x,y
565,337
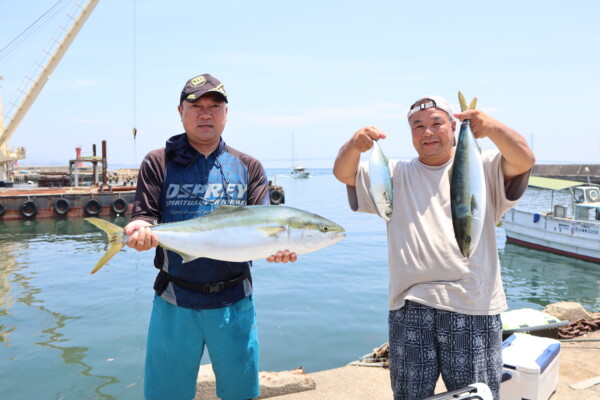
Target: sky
x,y
303,77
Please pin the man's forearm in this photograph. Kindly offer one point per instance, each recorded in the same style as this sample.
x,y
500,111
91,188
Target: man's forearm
x,y
346,165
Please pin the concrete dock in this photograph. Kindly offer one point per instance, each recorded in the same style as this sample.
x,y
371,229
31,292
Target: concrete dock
x,y
579,364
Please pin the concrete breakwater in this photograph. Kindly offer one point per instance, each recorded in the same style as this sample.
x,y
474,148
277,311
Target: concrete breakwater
x,y
572,172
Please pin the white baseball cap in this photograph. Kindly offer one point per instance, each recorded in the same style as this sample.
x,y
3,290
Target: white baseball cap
x,y
431,102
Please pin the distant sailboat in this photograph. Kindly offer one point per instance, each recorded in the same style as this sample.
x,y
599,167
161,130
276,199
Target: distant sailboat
x,y
298,171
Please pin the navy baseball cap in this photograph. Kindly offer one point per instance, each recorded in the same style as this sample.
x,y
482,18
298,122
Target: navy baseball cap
x,y
200,85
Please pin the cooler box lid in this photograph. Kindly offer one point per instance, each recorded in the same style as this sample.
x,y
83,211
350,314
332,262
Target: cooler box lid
x,y
525,318
530,354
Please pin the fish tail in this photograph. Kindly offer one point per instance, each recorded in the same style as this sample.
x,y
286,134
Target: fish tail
x,y
115,240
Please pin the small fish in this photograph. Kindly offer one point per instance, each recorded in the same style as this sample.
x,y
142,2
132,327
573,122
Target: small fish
x,y
381,182
232,233
467,187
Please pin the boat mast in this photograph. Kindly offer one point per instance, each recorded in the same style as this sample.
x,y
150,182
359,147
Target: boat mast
x,y
9,156
293,152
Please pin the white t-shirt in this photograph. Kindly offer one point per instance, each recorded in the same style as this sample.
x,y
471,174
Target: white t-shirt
x,y
425,263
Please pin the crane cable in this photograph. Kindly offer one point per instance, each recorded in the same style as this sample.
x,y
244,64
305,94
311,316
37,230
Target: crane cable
x,y
134,83
33,28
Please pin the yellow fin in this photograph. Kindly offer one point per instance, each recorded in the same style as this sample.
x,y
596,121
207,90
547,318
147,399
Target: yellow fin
x,y
186,257
462,101
115,240
271,230
113,249
473,103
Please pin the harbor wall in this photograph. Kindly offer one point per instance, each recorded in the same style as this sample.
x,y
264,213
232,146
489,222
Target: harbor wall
x,y
572,172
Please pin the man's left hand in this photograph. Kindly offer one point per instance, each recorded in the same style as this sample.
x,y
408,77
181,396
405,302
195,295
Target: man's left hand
x,y
283,256
482,125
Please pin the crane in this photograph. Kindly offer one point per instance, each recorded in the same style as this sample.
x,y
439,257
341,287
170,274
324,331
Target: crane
x,y
9,122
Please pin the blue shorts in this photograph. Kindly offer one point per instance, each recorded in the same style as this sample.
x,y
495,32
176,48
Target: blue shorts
x,y
425,342
176,340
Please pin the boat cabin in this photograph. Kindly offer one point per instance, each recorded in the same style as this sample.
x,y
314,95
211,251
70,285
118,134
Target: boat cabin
x,y
571,228
586,194
586,205
585,199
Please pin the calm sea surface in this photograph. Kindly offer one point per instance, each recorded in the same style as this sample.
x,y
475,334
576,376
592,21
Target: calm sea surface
x,y
66,334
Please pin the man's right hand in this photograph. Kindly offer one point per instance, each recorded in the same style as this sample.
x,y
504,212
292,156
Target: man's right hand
x,y
362,140
346,163
141,238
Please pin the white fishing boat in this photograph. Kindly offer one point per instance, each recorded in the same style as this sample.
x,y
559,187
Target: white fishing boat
x,y
572,230
298,171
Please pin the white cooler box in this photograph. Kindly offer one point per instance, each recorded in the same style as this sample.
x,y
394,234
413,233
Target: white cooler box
x,y
530,367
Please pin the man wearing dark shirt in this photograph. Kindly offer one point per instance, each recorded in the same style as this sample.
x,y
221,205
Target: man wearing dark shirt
x,y
203,302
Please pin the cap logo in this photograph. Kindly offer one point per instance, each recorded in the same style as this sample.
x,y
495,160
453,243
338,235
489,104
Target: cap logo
x,y
191,97
198,81
423,106
429,104
220,89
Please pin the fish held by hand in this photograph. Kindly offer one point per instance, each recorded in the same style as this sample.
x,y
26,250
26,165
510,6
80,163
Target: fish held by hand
x,y
380,178
234,233
467,187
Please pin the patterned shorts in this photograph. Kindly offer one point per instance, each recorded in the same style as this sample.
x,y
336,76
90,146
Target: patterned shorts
x,y
425,342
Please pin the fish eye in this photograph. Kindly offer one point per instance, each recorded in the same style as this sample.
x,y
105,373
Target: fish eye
x,y
324,228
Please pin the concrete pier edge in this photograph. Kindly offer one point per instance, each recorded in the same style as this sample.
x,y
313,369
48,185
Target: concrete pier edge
x,y
579,378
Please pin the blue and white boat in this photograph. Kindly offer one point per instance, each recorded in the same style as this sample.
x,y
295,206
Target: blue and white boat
x,y
572,230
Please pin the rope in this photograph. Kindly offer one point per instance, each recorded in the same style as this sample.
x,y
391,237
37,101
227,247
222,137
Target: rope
x,y
377,358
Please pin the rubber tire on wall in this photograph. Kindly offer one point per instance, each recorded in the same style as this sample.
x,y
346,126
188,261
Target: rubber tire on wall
x,y
119,206
61,206
276,197
28,209
92,207
2,209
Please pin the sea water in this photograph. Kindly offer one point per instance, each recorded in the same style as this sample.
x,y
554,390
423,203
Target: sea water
x,y
66,334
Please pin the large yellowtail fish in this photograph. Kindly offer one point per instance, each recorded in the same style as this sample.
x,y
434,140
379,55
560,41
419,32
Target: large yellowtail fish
x,y
467,187
380,178
232,233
